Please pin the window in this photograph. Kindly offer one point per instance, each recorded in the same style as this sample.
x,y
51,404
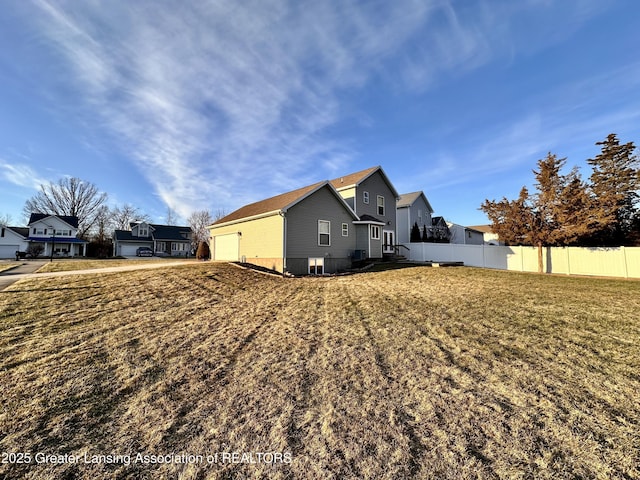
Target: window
x,y
324,233
2,232
316,266
365,197
345,229
161,246
375,232
177,247
419,213
380,205
143,231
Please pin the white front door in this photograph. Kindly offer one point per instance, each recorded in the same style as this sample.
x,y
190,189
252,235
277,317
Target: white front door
x,y
388,241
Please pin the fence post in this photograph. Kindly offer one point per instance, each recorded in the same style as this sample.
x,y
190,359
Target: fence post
x,y
624,259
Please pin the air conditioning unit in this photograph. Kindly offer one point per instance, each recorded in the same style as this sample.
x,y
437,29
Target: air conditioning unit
x,y
359,255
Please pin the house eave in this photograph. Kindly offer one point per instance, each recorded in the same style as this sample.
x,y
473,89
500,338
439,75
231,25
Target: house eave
x,y
245,219
368,222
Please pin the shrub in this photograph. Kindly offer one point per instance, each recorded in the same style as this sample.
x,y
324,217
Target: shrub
x,y
203,251
35,250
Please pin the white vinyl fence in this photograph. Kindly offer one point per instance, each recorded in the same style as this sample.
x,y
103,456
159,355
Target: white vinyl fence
x,y
607,262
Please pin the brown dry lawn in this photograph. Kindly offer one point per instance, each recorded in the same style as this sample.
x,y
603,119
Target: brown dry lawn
x,y
414,373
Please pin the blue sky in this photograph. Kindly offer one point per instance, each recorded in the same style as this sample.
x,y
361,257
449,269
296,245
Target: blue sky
x,y
212,105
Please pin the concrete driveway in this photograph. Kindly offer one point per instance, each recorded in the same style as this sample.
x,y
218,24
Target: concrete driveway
x,y
22,270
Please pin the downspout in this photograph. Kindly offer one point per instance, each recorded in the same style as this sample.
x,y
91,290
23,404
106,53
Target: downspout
x,y
284,241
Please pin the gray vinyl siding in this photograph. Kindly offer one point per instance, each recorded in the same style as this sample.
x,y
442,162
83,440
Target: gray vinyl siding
x,y
407,220
404,225
302,233
376,185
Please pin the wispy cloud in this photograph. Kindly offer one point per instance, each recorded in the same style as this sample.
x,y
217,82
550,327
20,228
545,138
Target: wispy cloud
x,y
213,100
20,174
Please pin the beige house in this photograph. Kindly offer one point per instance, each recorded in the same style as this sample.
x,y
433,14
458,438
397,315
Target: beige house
x,y
320,228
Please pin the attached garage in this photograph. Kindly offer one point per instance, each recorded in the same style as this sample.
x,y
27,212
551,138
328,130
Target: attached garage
x,y
226,247
8,251
127,250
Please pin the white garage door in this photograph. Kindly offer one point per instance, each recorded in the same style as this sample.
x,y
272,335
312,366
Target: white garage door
x,y
128,250
8,251
225,247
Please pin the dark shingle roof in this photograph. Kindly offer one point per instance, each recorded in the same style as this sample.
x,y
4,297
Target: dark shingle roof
x,y
125,236
158,232
24,231
170,232
272,204
71,220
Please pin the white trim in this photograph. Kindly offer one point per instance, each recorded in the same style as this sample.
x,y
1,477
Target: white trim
x,y
393,239
317,262
378,197
345,227
328,222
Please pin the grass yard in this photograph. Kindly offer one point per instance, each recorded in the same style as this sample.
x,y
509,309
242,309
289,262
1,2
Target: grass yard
x,y
415,373
4,266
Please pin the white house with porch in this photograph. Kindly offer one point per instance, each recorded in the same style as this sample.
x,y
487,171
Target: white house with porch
x,y
57,234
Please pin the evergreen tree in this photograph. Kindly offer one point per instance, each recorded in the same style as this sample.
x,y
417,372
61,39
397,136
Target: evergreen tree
x,y
425,234
560,213
203,252
415,233
614,184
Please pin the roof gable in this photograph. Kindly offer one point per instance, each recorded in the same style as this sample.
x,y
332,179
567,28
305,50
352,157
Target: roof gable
x,y
408,199
22,232
357,178
280,203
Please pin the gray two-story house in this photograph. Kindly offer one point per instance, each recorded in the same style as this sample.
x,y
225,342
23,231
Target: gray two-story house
x,y
373,198
320,228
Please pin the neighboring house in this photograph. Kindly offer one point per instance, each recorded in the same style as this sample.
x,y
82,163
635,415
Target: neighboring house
x,y
489,237
439,230
412,208
373,198
57,234
464,235
320,228
12,240
164,240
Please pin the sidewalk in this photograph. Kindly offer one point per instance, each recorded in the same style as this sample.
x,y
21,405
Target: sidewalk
x,y
22,270
8,277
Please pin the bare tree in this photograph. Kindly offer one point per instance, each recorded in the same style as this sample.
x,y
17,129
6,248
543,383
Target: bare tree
x,y
199,221
172,217
5,219
220,213
122,216
69,196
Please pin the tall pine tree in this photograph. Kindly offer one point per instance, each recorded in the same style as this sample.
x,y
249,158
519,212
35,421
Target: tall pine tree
x,y
615,183
558,214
